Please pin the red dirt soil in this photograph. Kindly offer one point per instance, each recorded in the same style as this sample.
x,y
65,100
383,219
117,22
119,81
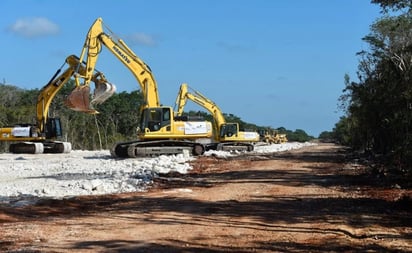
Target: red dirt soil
x,y
309,200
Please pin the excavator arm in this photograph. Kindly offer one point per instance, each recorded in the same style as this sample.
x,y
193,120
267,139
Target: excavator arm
x,y
195,96
96,38
49,91
41,137
225,132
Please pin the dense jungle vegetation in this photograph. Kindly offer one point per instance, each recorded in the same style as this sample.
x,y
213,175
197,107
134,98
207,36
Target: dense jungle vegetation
x,y
378,107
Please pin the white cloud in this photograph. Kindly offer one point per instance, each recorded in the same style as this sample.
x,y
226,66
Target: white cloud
x,y
34,27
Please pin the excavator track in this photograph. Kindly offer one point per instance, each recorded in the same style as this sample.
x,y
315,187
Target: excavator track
x,y
133,149
55,147
26,148
231,146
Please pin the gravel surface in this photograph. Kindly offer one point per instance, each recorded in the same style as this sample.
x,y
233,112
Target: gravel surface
x,y
26,177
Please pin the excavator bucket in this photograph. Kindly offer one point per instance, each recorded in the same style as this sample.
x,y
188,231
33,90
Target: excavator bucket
x,y
78,100
102,92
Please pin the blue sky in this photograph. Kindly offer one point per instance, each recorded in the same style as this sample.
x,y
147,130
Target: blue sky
x,y
272,63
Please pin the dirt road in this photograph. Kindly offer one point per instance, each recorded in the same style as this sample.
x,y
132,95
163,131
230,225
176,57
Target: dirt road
x,y
306,200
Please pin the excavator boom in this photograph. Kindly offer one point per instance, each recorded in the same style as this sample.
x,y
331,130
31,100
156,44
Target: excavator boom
x,y
227,135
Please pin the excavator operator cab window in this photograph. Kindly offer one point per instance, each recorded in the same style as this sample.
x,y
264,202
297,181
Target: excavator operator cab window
x,y
228,130
155,118
53,128
166,117
166,114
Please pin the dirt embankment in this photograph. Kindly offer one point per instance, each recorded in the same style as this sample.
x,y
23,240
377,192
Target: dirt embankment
x,y
307,200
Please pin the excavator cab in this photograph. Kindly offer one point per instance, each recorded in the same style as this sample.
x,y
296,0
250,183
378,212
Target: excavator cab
x,y
154,119
228,130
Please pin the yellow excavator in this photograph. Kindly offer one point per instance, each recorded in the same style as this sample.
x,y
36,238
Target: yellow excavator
x,y
43,136
272,136
159,132
227,136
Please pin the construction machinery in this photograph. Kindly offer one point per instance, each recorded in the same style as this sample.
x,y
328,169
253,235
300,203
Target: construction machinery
x,y
227,136
271,136
42,137
158,132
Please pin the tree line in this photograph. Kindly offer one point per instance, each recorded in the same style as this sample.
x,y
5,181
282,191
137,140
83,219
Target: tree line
x,y
116,121
378,107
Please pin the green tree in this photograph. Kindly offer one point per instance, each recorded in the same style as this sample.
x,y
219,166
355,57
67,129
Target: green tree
x,y
394,5
326,136
298,135
379,106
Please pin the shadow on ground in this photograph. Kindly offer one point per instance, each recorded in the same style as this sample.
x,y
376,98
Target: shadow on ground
x,y
264,212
